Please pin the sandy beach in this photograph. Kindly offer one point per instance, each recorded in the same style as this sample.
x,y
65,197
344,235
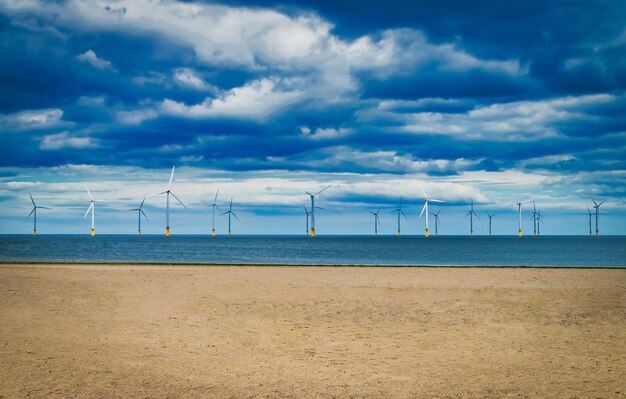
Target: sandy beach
x,y
216,331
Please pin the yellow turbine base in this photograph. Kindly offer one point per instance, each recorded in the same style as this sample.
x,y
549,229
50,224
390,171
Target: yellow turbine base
x,y
471,234
167,231
398,233
519,232
229,233
93,232
426,233
597,233
307,233
139,232
34,232
213,233
312,232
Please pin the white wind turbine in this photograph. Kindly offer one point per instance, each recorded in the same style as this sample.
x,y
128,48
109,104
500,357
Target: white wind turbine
x,y
139,213
35,207
214,205
519,216
425,209
167,193
92,208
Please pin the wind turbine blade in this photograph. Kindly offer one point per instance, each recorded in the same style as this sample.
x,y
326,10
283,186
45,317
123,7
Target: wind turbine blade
x,y
319,207
423,209
89,192
308,193
475,214
177,199
216,193
322,190
144,215
88,209
594,202
424,192
435,200
523,202
142,201
31,199
468,213
305,210
42,207
169,186
601,203
224,213
31,212
235,216
402,212
378,211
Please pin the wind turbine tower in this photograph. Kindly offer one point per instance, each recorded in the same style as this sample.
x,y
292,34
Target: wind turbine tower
x,y
92,208
590,215
167,193
519,216
230,212
539,220
139,213
534,218
34,211
490,216
597,208
307,213
376,221
425,209
436,215
312,196
471,214
214,205
399,211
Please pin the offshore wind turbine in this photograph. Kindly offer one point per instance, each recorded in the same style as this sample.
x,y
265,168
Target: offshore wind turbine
x,y
312,196
167,193
34,211
425,208
539,220
307,213
139,213
519,216
376,221
399,211
436,215
490,216
471,214
596,206
230,212
214,205
590,215
534,218
92,208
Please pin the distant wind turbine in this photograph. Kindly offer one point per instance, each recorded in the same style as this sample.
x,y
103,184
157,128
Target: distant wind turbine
x,y
307,213
436,215
519,216
471,214
167,193
597,208
140,212
214,205
376,221
425,209
590,215
230,212
534,219
490,216
539,220
312,196
34,211
399,211
92,208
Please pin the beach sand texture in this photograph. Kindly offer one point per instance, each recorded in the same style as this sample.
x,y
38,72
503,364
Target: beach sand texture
x,y
174,331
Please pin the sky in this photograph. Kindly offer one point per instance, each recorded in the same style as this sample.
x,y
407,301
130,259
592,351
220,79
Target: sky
x,y
487,102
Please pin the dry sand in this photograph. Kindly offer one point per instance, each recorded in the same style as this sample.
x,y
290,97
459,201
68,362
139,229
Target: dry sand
x,y
173,331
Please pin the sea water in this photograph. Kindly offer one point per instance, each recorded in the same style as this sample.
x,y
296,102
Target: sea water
x,y
494,251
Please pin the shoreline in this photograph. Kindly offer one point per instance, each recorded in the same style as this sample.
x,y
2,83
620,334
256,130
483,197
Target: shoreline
x,y
81,263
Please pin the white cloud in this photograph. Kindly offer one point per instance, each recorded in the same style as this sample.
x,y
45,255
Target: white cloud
x,y
187,77
135,117
325,133
65,140
257,99
90,57
32,119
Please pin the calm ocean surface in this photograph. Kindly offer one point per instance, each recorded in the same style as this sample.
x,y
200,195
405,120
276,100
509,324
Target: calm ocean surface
x,y
609,251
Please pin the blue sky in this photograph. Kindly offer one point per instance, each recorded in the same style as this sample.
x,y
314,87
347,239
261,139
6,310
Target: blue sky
x,y
489,102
